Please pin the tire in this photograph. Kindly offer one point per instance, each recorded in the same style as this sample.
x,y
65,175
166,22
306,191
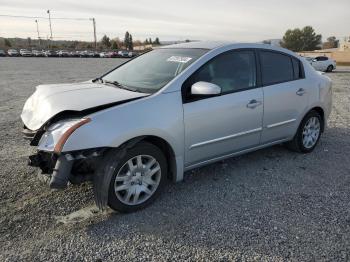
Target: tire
x,y
329,68
300,142
131,185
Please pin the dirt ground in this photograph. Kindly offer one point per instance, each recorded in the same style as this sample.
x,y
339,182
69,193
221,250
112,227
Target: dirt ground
x,y
272,205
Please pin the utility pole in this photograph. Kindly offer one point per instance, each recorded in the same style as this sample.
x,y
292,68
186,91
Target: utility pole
x,y
48,11
37,29
94,25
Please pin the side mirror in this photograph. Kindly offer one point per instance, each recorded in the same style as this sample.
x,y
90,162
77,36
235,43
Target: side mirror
x,y
205,89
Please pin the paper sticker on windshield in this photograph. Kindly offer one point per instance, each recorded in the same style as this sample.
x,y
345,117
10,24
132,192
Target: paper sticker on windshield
x,y
179,59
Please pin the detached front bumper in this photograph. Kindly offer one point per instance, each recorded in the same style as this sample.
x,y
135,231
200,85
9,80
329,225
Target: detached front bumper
x,y
75,167
58,168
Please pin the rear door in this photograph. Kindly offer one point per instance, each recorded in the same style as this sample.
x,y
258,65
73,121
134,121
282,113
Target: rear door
x,y
285,95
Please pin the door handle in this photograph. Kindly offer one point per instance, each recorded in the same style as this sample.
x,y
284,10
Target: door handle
x,y
253,104
301,91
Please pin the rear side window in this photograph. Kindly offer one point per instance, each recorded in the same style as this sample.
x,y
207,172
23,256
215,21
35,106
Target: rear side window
x,y
275,68
322,58
297,69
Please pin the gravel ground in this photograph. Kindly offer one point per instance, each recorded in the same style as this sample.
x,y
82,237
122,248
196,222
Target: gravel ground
x,y
271,205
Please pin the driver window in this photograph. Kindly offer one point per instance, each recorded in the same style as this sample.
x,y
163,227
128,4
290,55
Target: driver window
x,y
232,71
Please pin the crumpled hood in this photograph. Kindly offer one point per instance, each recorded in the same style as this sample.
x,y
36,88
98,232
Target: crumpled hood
x,y
49,100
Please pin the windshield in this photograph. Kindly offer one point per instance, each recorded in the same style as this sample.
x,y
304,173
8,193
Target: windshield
x,y
150,72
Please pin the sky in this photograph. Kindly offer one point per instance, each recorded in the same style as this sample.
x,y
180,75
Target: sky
x,y
236,20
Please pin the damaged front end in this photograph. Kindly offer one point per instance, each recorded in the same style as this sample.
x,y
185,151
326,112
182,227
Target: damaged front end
x,y
74,167
57,166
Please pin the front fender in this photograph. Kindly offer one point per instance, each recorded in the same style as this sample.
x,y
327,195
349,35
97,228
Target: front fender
x,y
159,115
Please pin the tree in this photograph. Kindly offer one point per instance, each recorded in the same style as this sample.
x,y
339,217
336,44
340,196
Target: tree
x,y
332,42
114,44
150,41
7,43
131,44
128,42
118,41
126,39
146,42
73,44
106,42
156,42
301,39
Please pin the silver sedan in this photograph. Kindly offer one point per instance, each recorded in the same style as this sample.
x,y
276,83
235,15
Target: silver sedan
x,y
171,110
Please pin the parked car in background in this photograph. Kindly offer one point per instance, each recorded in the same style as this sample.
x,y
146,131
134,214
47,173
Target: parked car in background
x,y
12,52
93,54
84,53
132,54
322,63
74,54
63,53
123,53
103,54
50,53
38,53
2,52
25,52
112,54
191,105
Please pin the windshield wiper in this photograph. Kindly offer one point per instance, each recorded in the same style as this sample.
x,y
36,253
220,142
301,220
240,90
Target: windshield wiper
x,y
119,85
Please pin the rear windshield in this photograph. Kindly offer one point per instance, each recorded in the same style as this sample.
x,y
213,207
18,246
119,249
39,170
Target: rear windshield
x,y
150,72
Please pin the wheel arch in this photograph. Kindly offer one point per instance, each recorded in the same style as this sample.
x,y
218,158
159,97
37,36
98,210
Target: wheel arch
x,y
319,110
174,165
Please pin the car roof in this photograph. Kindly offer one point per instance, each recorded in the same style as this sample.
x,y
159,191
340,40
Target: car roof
x,y
221,44
199,44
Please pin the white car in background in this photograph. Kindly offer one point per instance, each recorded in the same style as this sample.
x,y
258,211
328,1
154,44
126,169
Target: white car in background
x,y
12,52
322,63
123,53
25,52
103,54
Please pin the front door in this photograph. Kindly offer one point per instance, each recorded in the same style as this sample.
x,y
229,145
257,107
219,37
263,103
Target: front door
x,y
230,122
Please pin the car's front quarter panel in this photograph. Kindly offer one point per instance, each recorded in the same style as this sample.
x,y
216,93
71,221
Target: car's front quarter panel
x,y
158,115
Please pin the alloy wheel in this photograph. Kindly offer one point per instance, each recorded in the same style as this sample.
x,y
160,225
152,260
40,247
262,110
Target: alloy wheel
x,y
311,132
137,180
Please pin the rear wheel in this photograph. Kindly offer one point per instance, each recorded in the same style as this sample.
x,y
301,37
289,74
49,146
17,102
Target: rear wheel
x,y
137,178
330,68
308,134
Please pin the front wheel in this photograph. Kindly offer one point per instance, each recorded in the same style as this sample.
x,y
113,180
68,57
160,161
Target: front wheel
x,y
136,178
308,134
